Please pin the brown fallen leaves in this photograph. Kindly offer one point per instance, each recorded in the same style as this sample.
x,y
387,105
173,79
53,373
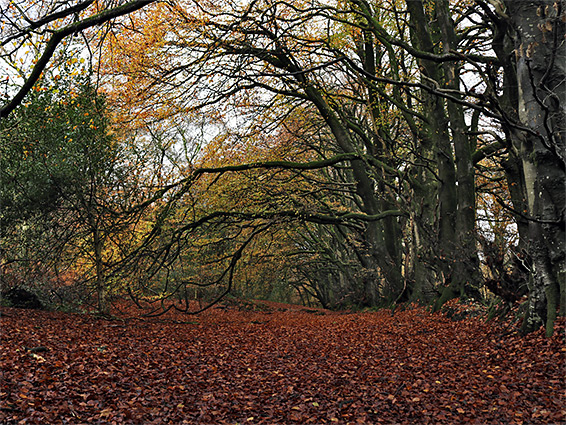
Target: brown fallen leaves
x,y
290,366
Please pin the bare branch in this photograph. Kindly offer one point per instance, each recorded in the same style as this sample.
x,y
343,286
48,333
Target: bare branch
x,y
58,36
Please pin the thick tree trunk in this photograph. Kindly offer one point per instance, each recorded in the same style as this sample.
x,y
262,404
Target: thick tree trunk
x,y
466,276
513,167
540,139
447,130
376,235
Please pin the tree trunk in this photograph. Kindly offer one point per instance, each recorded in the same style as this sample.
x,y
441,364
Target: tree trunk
x,y
101,292
456,212
540,139
466,277
375,234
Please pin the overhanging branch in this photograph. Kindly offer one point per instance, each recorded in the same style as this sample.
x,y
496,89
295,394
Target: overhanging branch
x,y
57,37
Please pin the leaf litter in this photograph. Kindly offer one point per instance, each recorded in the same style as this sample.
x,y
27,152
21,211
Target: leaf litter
x,y
284,364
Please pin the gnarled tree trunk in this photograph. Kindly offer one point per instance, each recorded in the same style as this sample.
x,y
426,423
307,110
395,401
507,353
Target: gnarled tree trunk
x,y
539,138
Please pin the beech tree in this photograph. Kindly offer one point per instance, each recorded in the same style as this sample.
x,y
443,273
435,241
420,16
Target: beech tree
x,y
406,109
32,32
294,88
529,44
418,93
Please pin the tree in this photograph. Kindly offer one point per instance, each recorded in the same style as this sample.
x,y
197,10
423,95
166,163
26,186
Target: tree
x,y
41,28
529,44
295,92
69,183
406,108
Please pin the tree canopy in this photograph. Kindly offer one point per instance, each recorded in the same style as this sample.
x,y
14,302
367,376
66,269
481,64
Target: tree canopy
x,y
350,153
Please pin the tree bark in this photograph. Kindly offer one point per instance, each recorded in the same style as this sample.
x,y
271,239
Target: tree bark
x,y
446,126
538,32
466,270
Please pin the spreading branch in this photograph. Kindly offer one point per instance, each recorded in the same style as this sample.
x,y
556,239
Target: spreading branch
x,y
55,40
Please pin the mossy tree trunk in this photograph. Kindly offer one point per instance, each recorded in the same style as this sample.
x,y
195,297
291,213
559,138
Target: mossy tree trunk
x,y
448,134
537,32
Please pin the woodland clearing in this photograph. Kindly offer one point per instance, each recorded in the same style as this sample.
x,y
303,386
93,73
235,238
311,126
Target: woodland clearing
x,y
277,364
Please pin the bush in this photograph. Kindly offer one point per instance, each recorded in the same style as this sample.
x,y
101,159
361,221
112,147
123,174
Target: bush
x,y
21,298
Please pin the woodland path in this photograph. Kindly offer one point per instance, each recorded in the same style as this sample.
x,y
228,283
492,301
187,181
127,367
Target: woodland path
x,y
282,365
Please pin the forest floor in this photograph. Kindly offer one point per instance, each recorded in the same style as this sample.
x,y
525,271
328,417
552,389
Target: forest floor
x,y
285,364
